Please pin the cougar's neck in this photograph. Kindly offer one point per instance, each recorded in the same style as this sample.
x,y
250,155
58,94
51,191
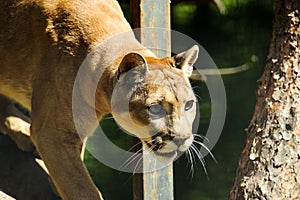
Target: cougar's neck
x,y
96,76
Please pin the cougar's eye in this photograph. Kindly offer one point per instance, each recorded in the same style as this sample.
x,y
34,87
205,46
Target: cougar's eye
x,y
157,110
188,105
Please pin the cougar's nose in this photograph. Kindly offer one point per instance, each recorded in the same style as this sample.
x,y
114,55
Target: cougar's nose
x,y
183,143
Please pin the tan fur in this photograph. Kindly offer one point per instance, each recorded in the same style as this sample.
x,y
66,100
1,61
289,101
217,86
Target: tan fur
x,y
42,45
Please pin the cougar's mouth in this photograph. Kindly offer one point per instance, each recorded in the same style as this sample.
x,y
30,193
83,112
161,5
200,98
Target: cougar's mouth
x,y
162,156
166,154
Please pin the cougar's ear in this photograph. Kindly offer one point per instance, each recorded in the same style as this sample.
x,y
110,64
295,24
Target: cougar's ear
x,y
186,60
133,62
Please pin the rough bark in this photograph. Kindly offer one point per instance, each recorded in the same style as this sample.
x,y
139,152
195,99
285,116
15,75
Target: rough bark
x,y
269,167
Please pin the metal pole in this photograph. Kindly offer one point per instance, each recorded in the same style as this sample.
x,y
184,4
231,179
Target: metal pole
x,y
157,185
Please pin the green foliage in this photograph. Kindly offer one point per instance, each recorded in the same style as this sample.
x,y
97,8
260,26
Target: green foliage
x,y
233,5
184,12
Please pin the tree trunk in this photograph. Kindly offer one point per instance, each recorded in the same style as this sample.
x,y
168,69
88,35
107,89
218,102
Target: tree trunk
x,y
269,167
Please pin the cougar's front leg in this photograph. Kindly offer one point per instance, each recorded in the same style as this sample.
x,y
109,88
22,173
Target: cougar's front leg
x,y
57,142
66,169
15,124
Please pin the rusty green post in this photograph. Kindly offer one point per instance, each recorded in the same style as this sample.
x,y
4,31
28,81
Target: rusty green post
x,y
156,185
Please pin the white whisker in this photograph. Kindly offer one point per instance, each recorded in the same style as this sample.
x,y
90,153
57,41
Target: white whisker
x,y
190,158
198,153
198,98
134,146
197,136
140,161
130,159
200,157
206,148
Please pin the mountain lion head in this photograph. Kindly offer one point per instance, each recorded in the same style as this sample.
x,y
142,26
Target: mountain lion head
x,y
153,100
